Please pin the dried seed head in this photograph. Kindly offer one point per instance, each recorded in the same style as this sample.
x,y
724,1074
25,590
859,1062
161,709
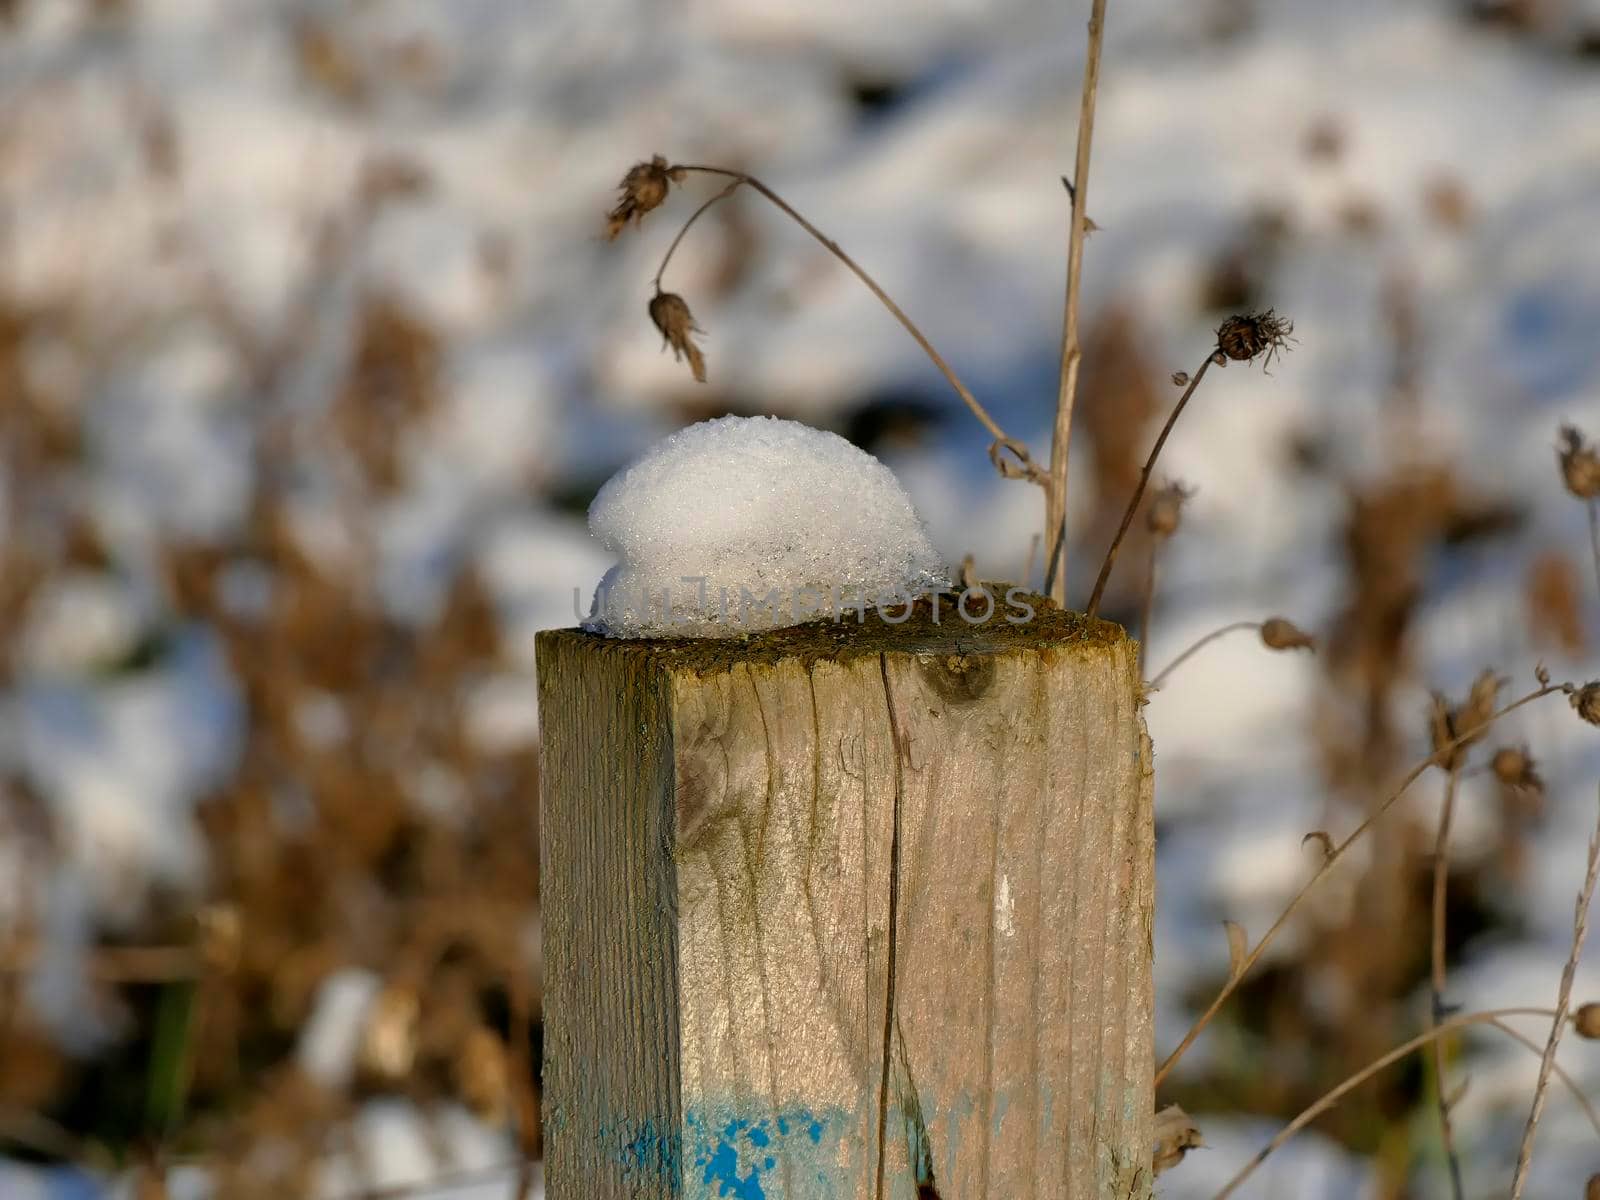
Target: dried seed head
x,y
1580,464
483,1074
1456,729
1472,719
1585,702
389,1040
1180,378
220,935
1514,767
672,317
1586,1021
1165,513
644,187
1175,1135
1278,633
1244,337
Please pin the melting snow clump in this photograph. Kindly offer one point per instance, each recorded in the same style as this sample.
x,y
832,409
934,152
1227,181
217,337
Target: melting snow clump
x,y
747,523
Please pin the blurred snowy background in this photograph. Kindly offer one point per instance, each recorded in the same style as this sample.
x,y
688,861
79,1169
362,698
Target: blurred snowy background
x,y
312,355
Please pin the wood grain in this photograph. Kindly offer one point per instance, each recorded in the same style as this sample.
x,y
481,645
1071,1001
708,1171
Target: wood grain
x,y
720,833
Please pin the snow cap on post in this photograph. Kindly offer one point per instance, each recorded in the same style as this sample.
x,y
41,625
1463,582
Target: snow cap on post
x,y
746,523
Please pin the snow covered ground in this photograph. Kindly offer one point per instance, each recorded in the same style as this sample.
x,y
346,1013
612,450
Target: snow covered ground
x,y
158,154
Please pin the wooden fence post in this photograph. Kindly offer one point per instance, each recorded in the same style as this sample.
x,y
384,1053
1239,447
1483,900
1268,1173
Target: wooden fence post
x,y
848,912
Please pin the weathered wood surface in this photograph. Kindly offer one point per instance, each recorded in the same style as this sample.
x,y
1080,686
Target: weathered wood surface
x,y
841,903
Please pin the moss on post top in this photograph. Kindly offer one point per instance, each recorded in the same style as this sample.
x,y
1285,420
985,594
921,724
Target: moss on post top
x,y
852,636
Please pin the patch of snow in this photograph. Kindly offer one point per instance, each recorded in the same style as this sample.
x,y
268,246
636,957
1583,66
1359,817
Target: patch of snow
x,y
446,1152
502,713
122,764
331,1036
78,621
752,522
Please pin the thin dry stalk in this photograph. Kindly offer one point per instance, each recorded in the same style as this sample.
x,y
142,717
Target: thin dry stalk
x,y
1580,928
116,964
1024,467
526,1104
1149,602
1594,537
1200,645
40,1135
1144,482
1332,1097
1071,348
1571,1084
689,224
1333,856
1436,1009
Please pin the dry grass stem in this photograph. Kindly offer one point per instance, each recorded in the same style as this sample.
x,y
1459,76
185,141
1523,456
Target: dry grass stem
x,y
1330,1098
526,1103
1144,482
1023,466
1574,1089
1594,538
1333,857
1071,348
116,964
1580,928
1437,1008
1198,646
683,230
1162,520
1148,602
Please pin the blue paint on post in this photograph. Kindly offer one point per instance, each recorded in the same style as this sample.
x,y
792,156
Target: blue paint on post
x,y
729,1156
723,1170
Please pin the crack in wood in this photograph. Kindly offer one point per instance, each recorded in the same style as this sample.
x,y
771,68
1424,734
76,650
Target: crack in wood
x,y
894,916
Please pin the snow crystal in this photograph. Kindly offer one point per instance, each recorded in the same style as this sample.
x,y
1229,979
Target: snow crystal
x,y
753,522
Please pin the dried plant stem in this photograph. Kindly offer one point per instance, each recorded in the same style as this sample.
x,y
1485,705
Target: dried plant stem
x,y
1333,856
1071,348
1149,603
1025,467
1200,645
1594,537
117,964
1571,1084
1332,1097
525,1103
1144,482
689,224
1436,1009
39,1134
1580,927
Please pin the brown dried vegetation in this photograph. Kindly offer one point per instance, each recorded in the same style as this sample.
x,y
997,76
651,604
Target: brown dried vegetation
x,y
379,835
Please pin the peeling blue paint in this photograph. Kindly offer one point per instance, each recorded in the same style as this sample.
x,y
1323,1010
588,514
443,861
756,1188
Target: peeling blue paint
x,y
1002,1103
723,1170
727,1156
